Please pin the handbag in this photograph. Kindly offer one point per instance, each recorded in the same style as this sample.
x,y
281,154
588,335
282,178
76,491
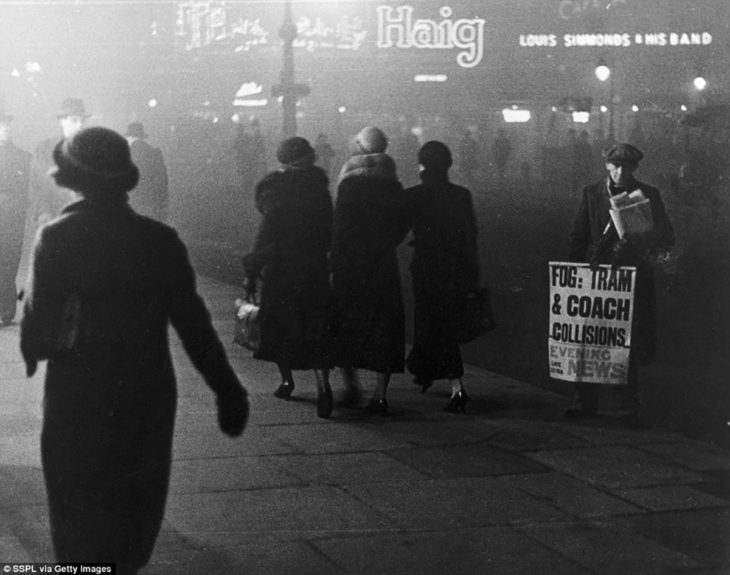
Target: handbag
x,y
475,316
247,332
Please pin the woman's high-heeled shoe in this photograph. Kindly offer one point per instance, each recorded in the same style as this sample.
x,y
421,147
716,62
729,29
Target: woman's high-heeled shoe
x,y
424,384
457,402
284,390
378,406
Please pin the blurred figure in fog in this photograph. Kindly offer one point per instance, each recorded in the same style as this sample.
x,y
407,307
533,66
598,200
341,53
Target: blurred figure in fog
x,y
250,148
404,149
290,258
105,284
501,151
324,153
14,200
445,271
468,153
582,161
371,220
594,240
47,197
150,197
525,173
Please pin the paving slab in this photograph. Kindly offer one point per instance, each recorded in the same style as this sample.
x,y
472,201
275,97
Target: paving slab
x,y
454,503
257,555
474,460
691,454
286,512
702,534
615,466
229,474
607,550
331,436
522,436
347,468
571,495
461,552
208,441
671,498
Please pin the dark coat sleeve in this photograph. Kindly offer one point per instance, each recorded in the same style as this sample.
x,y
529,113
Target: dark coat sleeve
x,y
580,234
43,302
265,244
662,235
192,321
471,253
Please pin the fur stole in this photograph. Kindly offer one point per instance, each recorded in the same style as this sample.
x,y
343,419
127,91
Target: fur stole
x,y
378,166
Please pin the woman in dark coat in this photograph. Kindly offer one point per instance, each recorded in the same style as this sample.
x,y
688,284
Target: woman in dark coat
x,y
290,256
105,283
445,272
371,219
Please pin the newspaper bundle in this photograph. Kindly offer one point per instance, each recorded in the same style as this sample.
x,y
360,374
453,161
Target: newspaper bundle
x,y
631,213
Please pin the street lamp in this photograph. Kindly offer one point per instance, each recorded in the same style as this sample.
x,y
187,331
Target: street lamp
x,y
287,89
603,73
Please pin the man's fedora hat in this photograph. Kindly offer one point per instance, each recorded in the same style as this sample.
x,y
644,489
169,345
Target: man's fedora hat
x,y
73,107
135,130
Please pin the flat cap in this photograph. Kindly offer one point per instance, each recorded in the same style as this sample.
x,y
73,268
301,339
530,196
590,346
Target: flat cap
x,y
622,154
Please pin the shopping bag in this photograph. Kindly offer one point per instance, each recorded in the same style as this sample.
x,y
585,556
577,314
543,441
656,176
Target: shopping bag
x,y
475,316
247,331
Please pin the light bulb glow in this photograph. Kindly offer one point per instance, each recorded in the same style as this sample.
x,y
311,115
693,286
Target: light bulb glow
x,y
603,72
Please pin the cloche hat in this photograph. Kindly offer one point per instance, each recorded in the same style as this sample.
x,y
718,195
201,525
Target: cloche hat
x,y
94,160
371,140
435,155
296,150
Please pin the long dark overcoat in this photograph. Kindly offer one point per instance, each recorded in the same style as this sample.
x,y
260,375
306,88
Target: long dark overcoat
x,y
587,238
150,196
14,201
290,255
371,220
445,269
109,406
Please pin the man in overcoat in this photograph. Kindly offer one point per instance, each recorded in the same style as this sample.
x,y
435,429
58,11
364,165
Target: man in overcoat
x,y
14,199
150,197
47,198
594,239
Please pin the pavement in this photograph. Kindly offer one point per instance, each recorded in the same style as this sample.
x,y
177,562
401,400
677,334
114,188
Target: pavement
x,y
509,487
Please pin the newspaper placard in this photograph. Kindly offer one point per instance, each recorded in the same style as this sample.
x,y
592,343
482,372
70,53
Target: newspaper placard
x,y
590,322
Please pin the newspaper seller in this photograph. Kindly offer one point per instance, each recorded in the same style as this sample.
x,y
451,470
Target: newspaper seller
x,y
594,239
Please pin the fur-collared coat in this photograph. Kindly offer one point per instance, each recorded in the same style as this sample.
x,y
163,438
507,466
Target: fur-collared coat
x,y
371,220
109,406
588,242
290,256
